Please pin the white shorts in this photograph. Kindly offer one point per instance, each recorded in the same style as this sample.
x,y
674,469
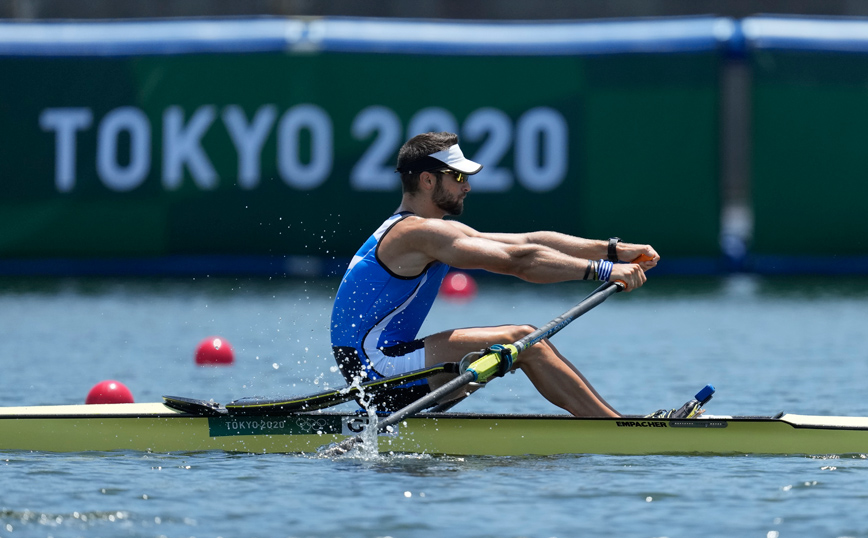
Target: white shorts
x,y
398,359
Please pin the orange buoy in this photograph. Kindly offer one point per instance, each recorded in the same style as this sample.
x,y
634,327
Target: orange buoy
x,y
214,351
458,286
109,392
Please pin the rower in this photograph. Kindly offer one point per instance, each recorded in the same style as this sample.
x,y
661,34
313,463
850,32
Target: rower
x,y
391,284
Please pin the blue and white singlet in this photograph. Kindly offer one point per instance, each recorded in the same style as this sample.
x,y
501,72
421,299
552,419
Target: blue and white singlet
x,y
377,314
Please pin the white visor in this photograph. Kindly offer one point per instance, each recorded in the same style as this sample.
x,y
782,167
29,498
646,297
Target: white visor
x,y
454,159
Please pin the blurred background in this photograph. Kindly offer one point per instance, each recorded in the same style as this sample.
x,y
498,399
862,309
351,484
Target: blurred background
x,y
259,138
444,9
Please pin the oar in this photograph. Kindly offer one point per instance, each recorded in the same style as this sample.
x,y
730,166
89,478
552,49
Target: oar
x,y
330,398
487,366
312,402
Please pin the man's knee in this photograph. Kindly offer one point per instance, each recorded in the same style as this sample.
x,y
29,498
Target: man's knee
x,y
517,332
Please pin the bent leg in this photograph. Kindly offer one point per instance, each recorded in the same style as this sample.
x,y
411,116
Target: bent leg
x,y
551,373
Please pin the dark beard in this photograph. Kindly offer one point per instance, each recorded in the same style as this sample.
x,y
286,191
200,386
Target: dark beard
x,y
452,206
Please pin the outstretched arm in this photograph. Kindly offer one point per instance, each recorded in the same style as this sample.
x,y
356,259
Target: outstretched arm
x,y
578,247
415,242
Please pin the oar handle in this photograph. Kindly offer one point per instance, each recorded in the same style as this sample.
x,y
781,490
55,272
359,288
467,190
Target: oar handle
x,y
639,259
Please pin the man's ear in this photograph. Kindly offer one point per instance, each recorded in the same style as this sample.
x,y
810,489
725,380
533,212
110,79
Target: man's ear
x,y
427,180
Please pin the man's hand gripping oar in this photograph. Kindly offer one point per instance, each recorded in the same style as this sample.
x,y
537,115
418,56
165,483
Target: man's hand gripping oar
x,y
495,362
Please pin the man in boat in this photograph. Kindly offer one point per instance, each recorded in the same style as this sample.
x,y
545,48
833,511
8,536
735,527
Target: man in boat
x,y
395,276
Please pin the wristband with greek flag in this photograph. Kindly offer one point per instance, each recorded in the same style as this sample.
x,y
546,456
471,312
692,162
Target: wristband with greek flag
x,y
604,270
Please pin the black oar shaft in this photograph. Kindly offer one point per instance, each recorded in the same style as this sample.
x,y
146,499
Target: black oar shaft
x,y
554,326
426,401
547,330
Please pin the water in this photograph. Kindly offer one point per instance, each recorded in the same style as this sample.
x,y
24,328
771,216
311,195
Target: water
x,y
768,345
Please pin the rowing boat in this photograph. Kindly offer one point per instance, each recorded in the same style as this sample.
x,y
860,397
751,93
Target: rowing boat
x,y
304,425
160,428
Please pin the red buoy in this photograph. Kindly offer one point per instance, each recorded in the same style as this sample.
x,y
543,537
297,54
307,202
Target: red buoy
x,y
109,392
458,286
214,351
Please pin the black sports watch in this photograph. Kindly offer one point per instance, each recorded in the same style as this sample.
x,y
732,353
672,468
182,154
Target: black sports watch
x,y
613,254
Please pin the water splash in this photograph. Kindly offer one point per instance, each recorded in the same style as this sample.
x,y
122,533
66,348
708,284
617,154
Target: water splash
x,y
365,445
369,448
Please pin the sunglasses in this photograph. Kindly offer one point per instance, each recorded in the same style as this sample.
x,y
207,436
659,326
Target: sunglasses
x,y
460,177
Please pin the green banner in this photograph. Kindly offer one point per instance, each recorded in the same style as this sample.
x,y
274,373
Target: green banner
x,y
293,153
809,167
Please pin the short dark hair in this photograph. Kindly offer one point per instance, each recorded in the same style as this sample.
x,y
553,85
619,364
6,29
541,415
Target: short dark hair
x,y
418,147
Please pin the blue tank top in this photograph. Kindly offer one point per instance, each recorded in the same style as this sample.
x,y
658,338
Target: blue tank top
x,y
375,308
